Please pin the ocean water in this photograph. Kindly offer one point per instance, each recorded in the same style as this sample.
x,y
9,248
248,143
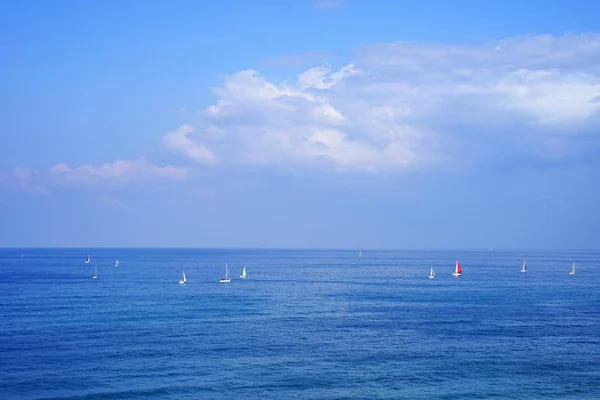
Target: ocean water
x,y
303,325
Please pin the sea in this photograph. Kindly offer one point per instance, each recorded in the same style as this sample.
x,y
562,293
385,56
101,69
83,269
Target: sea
x,y
304,324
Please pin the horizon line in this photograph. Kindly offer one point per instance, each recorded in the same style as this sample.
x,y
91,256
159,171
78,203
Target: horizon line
x,y
302,248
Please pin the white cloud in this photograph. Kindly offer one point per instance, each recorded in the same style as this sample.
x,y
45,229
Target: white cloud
x,y
119,172
267,123
550,96
550,80
399,105
179,141
322,78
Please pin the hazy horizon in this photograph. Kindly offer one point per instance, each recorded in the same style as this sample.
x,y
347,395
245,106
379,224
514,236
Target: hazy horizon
x,y
363,250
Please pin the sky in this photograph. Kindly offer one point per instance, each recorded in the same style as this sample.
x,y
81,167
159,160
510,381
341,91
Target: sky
x,y
300,124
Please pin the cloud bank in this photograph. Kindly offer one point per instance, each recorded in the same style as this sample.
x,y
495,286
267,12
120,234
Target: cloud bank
x,y
403,105
396,107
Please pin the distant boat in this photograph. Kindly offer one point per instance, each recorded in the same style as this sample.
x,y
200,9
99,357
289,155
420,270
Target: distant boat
x,y
95,272
360,253
226,279
87,261
117,263
524,267
22,255
572,269
243,275
183,280
457,269
431,273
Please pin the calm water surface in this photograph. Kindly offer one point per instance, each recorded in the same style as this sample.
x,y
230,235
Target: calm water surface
x,y
304,325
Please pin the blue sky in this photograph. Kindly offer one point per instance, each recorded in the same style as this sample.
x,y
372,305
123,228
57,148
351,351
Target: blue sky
x,y
345,124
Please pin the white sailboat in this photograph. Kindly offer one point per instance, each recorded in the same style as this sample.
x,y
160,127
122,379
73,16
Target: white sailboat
x,y
360,253
243,275
87,261
183,280
572,269
524,267
116,263
431,273
226,279
457,269
95,272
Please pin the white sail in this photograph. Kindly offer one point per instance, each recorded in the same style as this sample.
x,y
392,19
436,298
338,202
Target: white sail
x,y
431,273
87,261
572,269
524,267
116,263
95,272
183,279
243,275
226,279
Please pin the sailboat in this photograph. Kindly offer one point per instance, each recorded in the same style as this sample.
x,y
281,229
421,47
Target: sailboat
x,y
95,272
457,269
572,269
87,261
226,279
524,267
243,275
360,253
116,263
431,273
183,280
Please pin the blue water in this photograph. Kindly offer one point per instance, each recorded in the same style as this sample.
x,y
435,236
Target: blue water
x,y
304,325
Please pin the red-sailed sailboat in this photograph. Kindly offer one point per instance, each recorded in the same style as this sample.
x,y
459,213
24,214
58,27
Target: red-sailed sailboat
x,y
457,269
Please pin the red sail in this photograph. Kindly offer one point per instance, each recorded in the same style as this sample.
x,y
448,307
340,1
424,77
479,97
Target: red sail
x,y
458,268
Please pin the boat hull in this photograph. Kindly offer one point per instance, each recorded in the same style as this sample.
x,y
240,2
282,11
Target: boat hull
x,y
224,280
